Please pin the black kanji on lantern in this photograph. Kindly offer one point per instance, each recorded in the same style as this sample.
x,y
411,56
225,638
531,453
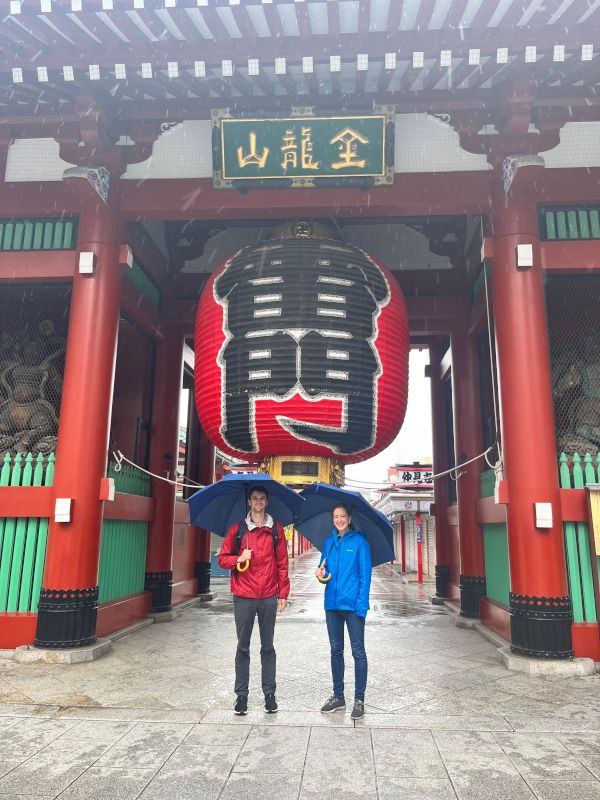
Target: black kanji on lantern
x,y
301,317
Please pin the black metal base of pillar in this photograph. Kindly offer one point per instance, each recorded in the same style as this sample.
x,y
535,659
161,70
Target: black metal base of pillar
x,y
541,626
161,585
66,617
442,578
203,571
472,589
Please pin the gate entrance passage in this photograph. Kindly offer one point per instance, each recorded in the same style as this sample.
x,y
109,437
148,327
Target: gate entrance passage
x,y
132,170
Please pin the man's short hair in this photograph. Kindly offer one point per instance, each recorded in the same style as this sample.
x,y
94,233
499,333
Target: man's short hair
x,y
258,488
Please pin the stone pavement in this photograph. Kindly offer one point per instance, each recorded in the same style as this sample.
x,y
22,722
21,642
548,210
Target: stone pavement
x,y
153,719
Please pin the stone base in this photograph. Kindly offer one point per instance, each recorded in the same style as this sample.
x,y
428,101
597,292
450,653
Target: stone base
x,y
28,654
435,600
206,597
546,666
175,611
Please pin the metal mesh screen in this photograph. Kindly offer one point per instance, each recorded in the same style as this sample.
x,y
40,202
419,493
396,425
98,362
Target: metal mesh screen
x,y
33,338
573,305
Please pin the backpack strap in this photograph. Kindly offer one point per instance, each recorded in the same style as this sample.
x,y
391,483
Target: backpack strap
x,y
242,528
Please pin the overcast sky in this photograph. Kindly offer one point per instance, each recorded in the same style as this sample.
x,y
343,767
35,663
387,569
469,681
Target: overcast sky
x,y
413,443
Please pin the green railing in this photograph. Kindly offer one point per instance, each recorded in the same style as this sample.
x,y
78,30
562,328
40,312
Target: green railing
x,y
574,475
487,482
23,539
41,233
129,480
122,559
569,224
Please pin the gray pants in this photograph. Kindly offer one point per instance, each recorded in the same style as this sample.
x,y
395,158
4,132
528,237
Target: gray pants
x,y
245,609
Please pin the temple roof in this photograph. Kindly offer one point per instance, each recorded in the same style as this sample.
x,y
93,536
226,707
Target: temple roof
x,y
267,54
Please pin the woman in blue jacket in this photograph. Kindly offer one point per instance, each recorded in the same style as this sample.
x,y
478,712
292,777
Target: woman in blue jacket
x,y
347,559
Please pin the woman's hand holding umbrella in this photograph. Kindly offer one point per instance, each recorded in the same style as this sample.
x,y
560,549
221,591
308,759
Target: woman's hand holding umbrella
x,y
320,573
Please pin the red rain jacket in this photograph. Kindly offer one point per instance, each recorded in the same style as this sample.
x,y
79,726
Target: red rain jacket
x,y
267,575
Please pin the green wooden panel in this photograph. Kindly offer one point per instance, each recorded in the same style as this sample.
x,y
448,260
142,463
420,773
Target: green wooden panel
x,y
595,224
497,570
550,226
573,572
16,567
561,225
38,234
487,483
122,565
584,226
585,568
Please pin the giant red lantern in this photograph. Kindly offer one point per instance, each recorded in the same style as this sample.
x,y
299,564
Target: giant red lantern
x,y
301,349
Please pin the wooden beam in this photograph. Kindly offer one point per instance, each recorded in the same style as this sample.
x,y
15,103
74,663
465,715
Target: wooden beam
x,y
36,265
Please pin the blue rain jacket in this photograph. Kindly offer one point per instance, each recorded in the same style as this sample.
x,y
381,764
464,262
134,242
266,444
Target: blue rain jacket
x,y
349,562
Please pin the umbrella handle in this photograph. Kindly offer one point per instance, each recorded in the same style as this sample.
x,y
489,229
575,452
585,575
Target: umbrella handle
x,y
325,578
243,568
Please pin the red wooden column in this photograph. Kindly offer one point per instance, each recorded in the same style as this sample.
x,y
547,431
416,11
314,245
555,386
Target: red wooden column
x,y
468,443
440,485
540,609
206,475
69,596
164,443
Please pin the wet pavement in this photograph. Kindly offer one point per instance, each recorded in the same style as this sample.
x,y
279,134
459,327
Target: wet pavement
x,y
153,719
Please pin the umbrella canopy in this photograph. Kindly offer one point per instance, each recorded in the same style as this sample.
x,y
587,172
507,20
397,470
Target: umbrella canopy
x,y
315,519
219,506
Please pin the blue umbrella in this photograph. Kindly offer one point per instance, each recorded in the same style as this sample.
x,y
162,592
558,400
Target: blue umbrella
x,y
219,506
315,519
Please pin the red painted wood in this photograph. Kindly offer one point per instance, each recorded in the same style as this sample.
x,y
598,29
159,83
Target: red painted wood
x,y
570,256
403,544
182,513
468,443
184,590
488,512
38,265
30,501
16,630
123,612
574,505
142,311
164,443
39,199
81,455
537,559
495,616
440,456
586,640
130,507
452,515
413,193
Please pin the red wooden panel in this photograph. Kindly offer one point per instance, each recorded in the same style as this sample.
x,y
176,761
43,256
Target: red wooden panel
x,y
123,612
130,507
495,616
16,630
53,265
487,511
25,501
573,504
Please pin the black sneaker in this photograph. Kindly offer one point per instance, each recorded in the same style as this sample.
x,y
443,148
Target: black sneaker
x,y
241,706
270,704
333,704
358,710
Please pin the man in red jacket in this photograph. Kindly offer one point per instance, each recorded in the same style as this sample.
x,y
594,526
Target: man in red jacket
x,y
260,591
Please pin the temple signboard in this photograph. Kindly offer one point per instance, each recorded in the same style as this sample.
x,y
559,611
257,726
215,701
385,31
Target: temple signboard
x,y
302,150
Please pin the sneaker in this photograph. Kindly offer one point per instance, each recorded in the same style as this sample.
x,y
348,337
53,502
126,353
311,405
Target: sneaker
x,y
358,711
333,704
241,706
270,704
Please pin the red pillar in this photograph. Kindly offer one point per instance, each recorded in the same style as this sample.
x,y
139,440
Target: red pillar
x,y
206,475
539,605
440,485
468,443
164,443
403,544
419,532
69,597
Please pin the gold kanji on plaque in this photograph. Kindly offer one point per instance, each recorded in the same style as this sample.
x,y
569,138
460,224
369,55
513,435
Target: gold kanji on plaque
x,y
347,142
289,149
252,157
